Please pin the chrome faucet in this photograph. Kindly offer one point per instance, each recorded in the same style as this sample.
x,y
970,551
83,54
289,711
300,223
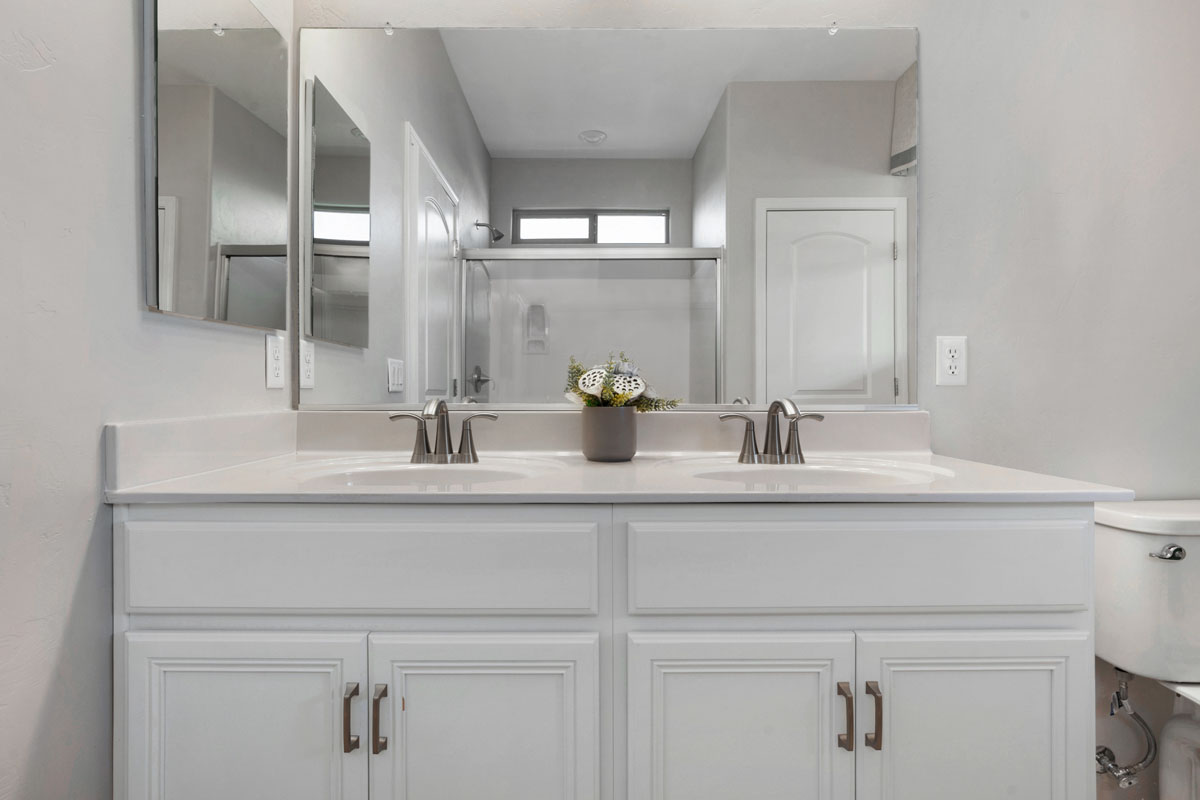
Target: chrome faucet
x,y
774,452
442,451
443,448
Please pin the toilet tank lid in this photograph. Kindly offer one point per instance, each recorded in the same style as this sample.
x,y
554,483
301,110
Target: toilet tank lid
x,y
1180,517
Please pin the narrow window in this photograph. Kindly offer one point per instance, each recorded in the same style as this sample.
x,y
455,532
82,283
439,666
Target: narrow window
x,y
573,226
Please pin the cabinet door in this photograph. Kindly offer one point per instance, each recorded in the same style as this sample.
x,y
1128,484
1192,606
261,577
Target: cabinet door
x,y
243,715
984,715
737,716
496,716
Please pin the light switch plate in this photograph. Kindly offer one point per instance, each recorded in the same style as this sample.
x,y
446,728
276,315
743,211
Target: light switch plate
x,y
951,361
275,377
308,364
395,375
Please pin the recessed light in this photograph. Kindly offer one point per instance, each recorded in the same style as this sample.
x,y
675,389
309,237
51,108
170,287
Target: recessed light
x,y
593,136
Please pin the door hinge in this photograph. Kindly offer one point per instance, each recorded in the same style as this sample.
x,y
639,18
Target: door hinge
x,y
454,388
896,386
895,251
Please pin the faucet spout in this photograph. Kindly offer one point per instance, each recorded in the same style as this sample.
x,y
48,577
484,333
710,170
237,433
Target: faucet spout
x,y
443,447
773,444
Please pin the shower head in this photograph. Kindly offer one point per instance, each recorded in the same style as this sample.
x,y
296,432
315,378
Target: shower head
x,y
496,233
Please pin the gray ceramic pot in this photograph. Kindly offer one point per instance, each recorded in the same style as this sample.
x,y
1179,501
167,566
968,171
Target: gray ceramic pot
x,y
609,434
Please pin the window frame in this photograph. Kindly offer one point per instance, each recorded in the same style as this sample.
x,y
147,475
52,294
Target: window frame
x,y
593,217
342,209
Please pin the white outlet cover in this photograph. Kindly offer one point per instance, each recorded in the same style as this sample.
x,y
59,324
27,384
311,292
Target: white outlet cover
x,y
275,376
308,364
951,361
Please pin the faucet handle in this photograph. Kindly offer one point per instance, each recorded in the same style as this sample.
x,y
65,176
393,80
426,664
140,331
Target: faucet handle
x,y
420,450
792,454
749,454
466,441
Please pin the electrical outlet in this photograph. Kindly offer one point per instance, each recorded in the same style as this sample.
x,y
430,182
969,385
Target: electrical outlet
x,y
275,379
308,364
951,361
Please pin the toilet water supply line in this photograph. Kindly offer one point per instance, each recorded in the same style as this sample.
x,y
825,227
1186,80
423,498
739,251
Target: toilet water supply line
x,y
1106,760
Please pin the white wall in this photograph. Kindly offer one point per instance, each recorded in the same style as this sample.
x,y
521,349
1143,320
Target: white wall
x,y
710,175
343,180
249,182
593,183
185,161
77,351
382,82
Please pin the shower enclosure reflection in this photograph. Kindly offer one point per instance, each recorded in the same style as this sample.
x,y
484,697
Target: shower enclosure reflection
x,y
529,310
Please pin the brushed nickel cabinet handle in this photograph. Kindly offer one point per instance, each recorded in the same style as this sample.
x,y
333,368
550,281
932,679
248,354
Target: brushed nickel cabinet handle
x,y
378,743
846,740
349,743
875,739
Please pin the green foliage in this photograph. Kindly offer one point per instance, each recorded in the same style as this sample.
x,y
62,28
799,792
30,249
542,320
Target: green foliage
x,y
619,365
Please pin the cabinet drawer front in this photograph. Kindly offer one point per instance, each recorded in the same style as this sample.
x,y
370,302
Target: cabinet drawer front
x,y
418,567
785,567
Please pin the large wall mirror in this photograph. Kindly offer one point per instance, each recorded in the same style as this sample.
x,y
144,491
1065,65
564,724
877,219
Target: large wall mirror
x,y
216,171
734,209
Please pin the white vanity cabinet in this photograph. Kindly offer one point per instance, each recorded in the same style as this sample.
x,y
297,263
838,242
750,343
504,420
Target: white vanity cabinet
x,y
506,717
734,715
835,716
775,651
240,714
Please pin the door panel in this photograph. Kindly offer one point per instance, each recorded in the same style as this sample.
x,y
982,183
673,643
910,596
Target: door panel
x,y
244,715
734,716
830,302
505,716
435,280
981,715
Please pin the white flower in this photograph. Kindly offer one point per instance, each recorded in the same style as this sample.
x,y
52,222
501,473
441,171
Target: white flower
x,y
573,398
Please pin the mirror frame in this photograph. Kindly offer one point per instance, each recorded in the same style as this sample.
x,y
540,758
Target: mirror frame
x,y
302,148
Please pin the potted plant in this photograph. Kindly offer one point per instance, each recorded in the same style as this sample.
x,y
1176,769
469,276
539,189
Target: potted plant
x,y
610,394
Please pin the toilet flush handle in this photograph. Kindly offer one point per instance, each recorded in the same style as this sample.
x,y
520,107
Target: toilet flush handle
x,y
1170,552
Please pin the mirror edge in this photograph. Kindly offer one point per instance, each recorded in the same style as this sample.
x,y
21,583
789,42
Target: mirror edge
x,y
148,164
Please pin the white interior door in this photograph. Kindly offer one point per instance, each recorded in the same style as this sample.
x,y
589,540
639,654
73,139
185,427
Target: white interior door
x,y
982,715
433,277
496,716
737,716
244,716
830,302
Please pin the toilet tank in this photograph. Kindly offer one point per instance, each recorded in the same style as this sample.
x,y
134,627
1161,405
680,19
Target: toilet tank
x,y
1148,608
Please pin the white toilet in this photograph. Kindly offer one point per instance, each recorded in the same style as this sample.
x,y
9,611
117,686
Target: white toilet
x,y
1148,617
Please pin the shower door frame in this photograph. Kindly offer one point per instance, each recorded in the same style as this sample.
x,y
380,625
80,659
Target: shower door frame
x,y
614,253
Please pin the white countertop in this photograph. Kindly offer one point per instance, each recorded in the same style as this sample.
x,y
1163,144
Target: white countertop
x,y
564,477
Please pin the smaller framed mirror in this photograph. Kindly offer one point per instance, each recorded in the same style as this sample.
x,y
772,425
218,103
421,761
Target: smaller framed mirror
x,y
337,260
216,164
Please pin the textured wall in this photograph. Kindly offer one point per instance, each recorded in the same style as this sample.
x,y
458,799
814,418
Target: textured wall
x,y
77,351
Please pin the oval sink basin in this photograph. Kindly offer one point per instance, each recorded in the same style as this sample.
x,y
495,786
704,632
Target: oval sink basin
x,y
382,473
849,473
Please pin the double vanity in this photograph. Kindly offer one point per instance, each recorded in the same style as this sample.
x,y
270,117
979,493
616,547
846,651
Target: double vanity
x,y
302,612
